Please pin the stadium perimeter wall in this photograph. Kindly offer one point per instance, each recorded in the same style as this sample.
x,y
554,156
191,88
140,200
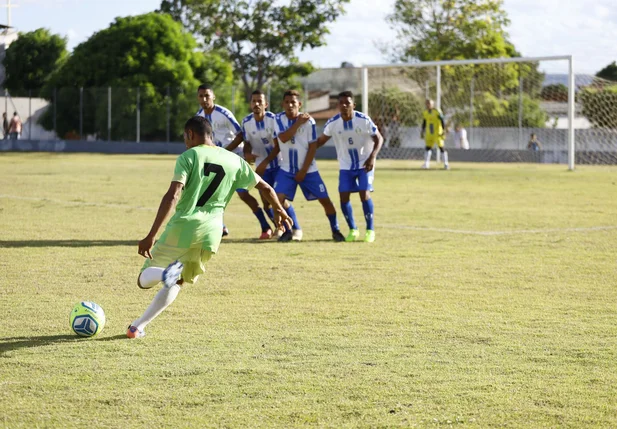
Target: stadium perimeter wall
x,y
327,152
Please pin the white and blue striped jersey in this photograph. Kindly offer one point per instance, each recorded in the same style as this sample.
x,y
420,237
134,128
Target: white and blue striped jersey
x,y
261,135
224,125
293,151
352,139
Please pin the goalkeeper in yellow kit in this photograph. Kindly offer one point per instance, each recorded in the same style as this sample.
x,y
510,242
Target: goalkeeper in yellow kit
x,y
433,133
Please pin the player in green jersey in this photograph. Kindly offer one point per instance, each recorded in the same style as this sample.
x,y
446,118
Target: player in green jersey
x,y
205,179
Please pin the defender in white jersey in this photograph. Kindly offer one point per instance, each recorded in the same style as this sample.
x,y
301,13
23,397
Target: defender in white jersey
x,y
227,131
357,141
259,135
296,139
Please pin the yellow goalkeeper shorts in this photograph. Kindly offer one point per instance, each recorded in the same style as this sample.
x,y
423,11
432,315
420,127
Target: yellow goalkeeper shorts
x,y
194,260
432,140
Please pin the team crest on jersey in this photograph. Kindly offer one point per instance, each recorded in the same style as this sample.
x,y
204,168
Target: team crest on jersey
x,y
358,131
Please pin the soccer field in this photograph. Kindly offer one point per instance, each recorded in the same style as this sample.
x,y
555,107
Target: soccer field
x,y
489,299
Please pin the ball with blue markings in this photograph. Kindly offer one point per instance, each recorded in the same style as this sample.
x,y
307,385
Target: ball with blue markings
x,y
87,319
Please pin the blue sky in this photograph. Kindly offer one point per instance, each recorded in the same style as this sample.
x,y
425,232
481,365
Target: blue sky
x,y
588,30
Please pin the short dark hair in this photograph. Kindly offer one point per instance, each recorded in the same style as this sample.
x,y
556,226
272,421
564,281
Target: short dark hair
x,y
15,113
200,126
205,86
345,94
291,93
257,92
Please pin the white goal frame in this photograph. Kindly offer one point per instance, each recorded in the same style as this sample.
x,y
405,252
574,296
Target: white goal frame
x,y
439,64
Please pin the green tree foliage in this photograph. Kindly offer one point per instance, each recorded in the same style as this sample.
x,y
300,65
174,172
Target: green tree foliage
x,y
492,111
609,72
150,52
32,59
390,106
599,105
261,37
556,92
431,30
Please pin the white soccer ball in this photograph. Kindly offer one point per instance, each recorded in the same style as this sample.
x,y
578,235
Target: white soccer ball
x,y
87,319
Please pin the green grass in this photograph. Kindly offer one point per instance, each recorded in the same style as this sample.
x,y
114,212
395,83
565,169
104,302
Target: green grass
x,y
425,327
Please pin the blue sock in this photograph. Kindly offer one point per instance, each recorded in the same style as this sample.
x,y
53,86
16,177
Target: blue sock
x,y
369,211
261,217
333,222
348,213
270,213
292,214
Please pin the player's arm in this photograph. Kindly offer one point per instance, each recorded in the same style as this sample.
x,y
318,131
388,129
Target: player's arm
x,y
236,142
282,218
261,168
369,164
322,140
167,206
285,136
443,125
247,151
423,128
310,156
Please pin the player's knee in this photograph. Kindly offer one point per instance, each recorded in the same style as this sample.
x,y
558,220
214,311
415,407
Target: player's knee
x,y
365,196
344,197
442,150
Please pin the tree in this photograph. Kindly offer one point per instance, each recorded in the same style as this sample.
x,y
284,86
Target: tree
x,y
492,111
261,37
430,30
391,107
599,105
150,52
555,92
609,72
32,59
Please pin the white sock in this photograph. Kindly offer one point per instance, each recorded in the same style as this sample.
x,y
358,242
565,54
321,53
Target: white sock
x,y
151,276
161,301
427,158
445,158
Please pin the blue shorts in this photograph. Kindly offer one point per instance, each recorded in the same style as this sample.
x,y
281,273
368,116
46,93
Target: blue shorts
x,y
270,175
355,180
312,186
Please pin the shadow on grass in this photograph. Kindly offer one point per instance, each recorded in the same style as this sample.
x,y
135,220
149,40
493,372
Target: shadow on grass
x,y
16,343
66,243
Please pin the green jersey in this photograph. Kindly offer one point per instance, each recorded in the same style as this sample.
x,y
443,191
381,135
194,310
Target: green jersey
x,y
210,176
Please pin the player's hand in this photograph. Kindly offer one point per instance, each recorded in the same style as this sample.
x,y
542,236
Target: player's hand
x,y
369,164
282,220
303,118
145,246
300,175
250,158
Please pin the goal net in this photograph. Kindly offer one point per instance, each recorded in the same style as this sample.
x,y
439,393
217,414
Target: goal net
x,y
510,110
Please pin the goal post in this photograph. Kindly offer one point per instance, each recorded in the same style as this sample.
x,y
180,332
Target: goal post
x,y
501,102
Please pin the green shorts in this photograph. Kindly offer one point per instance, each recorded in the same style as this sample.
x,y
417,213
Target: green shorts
x,y
194,260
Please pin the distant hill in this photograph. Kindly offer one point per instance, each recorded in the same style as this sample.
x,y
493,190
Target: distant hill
x,y
562,78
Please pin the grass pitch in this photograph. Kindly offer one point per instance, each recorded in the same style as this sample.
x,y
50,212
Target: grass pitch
x,y
488,299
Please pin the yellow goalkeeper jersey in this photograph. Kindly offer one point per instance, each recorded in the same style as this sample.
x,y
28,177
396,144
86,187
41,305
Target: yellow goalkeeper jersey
x,y
433,120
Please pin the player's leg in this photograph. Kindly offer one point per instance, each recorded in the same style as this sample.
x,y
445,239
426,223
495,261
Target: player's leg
x,y
154,273
285,187
347,185
365,186
269,177
428,150
313,187
249,200
444,153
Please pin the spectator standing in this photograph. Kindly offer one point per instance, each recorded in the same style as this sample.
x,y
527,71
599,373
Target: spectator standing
x,y
5,126
534,144
15,127
460,137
